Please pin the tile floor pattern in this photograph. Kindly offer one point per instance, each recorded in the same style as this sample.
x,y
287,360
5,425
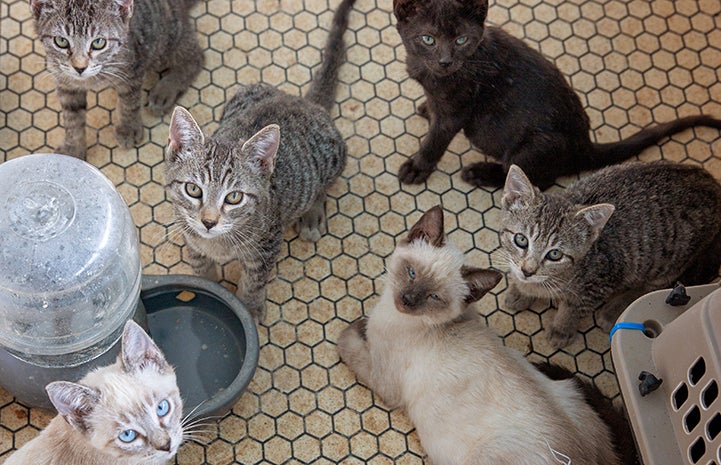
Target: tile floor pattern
x,y
633,62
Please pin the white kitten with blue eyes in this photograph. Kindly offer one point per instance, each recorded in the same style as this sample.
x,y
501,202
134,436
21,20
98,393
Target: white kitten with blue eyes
x,y
127,413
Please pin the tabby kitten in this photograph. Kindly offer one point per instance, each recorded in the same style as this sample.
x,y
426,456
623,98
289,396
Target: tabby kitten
x,y
127,413
93,44
472,400
609,238
510,102
234,193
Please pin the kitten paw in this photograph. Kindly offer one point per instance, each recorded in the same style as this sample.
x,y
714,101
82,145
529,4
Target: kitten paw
x,y
129,135
409,173
77,151
559,338
484,174
424,111
162,98
311,225
517,302
605,321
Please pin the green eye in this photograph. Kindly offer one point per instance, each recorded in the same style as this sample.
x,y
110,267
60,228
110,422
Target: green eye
x,y
234,198
554,255
521,240
61,42
461,40
193,190
428,40
98,44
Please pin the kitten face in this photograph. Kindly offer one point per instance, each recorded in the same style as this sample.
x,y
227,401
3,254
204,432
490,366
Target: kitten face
x,y
544,235
82,37
216,187
131,409
440,36
428,275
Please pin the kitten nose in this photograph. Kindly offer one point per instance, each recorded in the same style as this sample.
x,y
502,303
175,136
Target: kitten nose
x,y
444,63
527,273
165,447
209,224
80,70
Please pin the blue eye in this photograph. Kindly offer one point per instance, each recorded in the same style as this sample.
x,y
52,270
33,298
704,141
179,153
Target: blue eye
x,y
428,40
163,408
411,273
435,297
128,435
461,40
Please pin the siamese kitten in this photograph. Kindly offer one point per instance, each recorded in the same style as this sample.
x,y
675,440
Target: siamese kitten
x,y
127,413
511,103
234,192
93,44
425,349
608,239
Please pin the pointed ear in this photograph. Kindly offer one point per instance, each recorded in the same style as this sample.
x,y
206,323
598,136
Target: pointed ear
x,y
404,9
596,216
73,401
518,189
183,131
429,228
36,6
479,281
126,9
139,352
262,149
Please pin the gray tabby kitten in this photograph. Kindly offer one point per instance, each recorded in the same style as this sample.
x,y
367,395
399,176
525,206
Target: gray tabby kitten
x,y
235,192
473,401
127,413
93,44
608,239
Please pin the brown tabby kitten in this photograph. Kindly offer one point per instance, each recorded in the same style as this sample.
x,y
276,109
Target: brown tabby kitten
x,y
424,348
93,44
511,103
608,239
128,413
235,192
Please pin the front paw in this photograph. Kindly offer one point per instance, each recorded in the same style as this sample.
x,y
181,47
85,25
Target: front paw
x,y
411,173
74,150
424,111
517,302
162,98
129,135
560,337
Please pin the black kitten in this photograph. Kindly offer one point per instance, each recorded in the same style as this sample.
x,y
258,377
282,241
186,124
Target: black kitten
x,y
512,103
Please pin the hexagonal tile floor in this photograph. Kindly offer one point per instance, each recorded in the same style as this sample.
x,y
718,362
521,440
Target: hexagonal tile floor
x,y
633,62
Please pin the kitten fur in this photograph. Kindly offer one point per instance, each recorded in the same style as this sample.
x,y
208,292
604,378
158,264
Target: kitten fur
x,y
94,44
608,239
424,348
235,192
108,402
511,103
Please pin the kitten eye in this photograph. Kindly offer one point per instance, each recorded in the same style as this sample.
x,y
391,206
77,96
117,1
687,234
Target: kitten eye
x,y
428,40
521,240
127,436
193,190
163,408
61,42
98,44
434,297
554,255
461,40
234,198
411,273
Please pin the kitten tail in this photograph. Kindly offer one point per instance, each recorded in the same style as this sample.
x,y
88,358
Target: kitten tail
x,y
323,88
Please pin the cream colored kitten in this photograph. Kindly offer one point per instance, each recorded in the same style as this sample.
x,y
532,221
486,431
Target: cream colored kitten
x,y
128,413
471,399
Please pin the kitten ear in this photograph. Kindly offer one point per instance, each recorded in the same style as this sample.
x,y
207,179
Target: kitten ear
x,y
404,9
139,351
73,401
262,149
36,6
183,131
518,188
126,9
596,215
479,281
429,228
